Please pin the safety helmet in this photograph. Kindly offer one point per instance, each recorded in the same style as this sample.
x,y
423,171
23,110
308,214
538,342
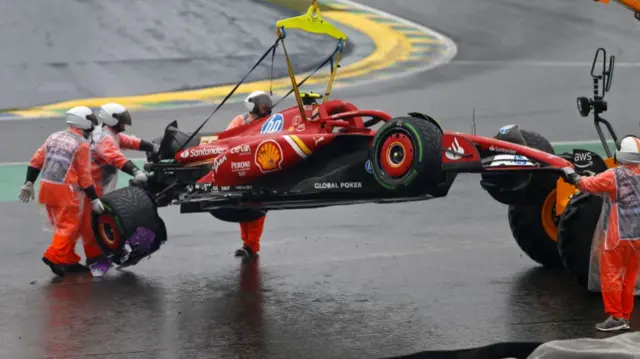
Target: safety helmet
x,y
81,117
257,98
629,151
114,115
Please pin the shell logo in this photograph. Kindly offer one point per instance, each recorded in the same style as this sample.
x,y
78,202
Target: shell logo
x,y
269,156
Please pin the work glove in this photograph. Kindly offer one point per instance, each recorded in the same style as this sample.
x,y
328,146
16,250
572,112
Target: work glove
x,y
570,175
156,148
96,206
140,176
27,192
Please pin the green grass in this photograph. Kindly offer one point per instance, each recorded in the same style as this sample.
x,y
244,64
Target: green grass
x,y
12,178
595,147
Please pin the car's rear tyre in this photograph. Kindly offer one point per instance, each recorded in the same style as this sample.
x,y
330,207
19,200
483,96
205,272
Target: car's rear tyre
x,y
534,228
126,211
406,153
238,215
575,235
521,188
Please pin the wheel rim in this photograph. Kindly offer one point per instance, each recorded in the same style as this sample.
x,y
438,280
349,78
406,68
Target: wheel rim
x,y
549,217
107,230
396,155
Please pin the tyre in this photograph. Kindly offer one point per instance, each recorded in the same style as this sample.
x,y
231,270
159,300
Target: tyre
x,y
521,188
129,215
575,235
237,215
406,153
534,227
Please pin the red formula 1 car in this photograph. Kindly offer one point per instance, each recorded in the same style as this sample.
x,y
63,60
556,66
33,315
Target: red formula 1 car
x,y
311,155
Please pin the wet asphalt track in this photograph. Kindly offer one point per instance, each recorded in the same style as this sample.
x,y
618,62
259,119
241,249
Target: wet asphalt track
x,y
348,282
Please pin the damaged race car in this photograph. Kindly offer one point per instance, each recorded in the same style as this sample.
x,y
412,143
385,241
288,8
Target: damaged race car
x,y
315,154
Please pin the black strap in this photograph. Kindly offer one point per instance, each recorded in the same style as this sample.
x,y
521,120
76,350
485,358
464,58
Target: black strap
x,y
273,57
272,48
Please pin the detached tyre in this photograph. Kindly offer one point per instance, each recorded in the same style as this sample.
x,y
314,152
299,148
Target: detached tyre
x,y
535,229
406,153
577,224
130,228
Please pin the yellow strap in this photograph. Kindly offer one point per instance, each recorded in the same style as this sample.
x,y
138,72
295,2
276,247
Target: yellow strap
x,y
294,83
333,77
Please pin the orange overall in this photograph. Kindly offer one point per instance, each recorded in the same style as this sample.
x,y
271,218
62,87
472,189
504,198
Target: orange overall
x,y
64,161
251,231
621,246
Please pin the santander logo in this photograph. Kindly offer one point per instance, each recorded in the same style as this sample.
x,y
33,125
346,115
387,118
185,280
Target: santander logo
x,y
455,147
201,152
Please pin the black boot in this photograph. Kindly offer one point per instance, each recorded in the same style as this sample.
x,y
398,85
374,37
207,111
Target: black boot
x,y
62,269
77,268
246,253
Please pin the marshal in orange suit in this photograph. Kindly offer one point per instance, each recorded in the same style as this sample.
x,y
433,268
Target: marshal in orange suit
x,y
617,235
63,163
259,105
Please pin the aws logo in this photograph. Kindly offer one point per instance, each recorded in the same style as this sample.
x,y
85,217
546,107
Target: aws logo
x,y
273,124
582,158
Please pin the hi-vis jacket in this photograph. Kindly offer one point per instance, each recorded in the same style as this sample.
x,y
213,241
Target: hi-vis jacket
x,y
621,205
65,163
107,157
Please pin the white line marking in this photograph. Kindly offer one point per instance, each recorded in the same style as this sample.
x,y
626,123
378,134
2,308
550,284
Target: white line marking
x,y
579,64
590,142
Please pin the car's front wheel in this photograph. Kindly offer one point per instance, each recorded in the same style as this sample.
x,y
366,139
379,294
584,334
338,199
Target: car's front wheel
x,y
406,154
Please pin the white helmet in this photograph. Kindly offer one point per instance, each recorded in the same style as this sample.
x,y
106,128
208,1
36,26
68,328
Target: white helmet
x,y
257,98
81,117
629,151
113,114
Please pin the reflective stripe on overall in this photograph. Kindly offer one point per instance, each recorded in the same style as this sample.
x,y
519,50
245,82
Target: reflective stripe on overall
x,y
109,173
59,153
628,205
